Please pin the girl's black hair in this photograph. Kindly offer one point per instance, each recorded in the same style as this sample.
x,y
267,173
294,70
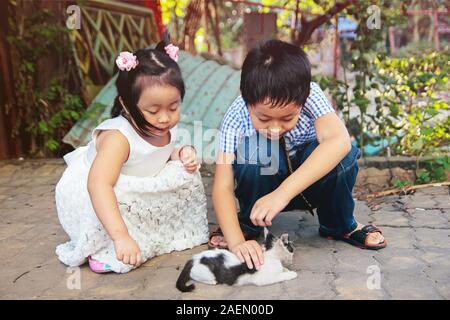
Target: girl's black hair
x,y
154,67
277,71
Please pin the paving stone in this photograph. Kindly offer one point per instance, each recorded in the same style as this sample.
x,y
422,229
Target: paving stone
x,y
429,218
421,201
398,238
348,259
391,219
442,201
354,286
8,170
444,190
308,285
287,222
251,292
436,238
410,286
415,265
311,259
405,260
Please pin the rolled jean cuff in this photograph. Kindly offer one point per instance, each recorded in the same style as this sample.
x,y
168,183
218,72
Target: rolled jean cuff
x,y
342,231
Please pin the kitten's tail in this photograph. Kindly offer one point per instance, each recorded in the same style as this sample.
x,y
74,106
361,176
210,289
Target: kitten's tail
x,y
184,277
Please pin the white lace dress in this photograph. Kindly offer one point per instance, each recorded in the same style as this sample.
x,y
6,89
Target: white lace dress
x,y
163,206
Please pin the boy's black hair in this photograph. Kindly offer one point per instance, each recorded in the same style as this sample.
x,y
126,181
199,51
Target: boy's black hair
x,y
277,71
154,67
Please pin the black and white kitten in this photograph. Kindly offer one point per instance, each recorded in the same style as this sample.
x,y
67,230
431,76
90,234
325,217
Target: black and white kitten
x,y
219,266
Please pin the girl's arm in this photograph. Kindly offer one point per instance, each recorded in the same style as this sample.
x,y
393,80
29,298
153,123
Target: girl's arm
x,y
112,152
175,155
188,156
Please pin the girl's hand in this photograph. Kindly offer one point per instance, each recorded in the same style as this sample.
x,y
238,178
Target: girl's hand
x,y
188,157
128,251
266,208
249,252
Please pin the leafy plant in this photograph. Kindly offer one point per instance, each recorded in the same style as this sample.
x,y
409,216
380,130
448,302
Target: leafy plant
x,y
435,170
402,183
45,109
408,105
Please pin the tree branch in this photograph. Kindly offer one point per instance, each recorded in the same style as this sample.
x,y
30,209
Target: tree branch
x,y
308,27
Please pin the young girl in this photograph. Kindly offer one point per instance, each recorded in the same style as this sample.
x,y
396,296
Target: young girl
x,y
126,196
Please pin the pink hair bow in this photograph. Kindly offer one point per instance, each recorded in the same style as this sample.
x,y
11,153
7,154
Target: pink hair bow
x,y
126,61
172,51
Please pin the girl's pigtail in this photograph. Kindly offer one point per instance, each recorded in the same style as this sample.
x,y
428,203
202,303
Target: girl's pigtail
x,y
165,41
117,108
165,46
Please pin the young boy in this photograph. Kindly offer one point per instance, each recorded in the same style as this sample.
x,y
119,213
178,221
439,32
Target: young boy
x,y
282,114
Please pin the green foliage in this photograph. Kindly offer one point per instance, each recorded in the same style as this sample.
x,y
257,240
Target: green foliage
x,y
45,110
402,183
434,170
408,105
50,125
405,90
231,18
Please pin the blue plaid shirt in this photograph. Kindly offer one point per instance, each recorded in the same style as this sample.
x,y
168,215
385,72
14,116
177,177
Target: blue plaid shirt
x,y
237,123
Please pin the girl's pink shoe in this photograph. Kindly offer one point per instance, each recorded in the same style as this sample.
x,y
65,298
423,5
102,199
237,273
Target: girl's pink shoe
x,y
98,267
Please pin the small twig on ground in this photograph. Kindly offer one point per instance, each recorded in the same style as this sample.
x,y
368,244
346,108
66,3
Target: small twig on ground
x,y
404,190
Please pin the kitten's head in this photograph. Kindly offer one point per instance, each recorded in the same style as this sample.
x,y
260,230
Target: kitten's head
x,y
282,246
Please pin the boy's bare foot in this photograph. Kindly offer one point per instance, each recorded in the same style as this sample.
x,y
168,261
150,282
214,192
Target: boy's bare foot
x,y
372,238
218,241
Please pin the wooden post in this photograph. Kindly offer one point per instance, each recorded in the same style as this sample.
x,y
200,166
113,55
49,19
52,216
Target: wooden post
x,y
177,23
437,44
9,147
216,28
205,17
392,40
294,29
336,48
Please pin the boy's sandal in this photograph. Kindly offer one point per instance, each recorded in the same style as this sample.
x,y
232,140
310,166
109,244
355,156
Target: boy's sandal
x,y
358,238
218,232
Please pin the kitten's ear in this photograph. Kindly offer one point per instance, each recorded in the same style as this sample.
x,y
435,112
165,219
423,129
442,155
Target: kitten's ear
x,y
269,239
286,243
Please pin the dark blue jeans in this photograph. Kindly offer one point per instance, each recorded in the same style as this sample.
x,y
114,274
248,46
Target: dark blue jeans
x,y
260,167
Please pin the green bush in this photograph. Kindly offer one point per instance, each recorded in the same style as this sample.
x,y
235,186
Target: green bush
x,y
45,111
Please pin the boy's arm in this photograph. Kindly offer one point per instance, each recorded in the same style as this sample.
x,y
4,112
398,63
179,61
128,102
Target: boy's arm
x,y
224,203
334,144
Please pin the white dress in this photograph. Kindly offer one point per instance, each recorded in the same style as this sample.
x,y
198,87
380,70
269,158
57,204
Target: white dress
x,y
163,206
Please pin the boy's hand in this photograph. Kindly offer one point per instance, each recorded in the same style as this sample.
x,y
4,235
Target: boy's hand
x,y
128,251
249,252
267,207
188,157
